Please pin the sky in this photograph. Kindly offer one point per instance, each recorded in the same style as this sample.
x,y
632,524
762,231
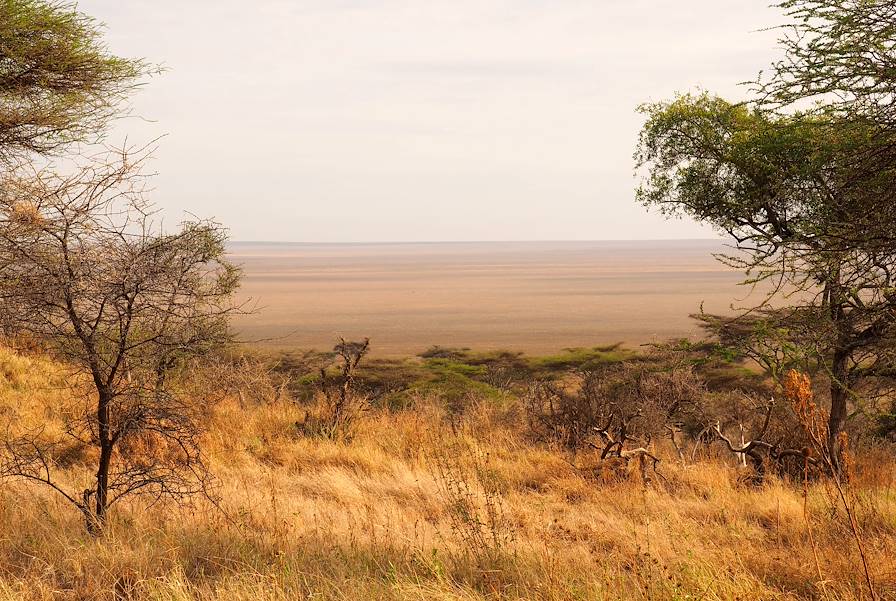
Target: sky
x,y
426,120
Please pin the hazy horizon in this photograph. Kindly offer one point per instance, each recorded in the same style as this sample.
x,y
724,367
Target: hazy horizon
x,y
520,241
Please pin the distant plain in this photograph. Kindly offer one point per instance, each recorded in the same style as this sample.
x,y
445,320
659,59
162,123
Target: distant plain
x,y
536,297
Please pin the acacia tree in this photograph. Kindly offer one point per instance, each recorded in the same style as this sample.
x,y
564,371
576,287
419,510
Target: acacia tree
x,y
783,188
840,52
87,272
58,82
807,194
803,179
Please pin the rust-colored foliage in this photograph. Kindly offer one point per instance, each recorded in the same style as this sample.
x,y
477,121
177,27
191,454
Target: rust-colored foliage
x,y
812,418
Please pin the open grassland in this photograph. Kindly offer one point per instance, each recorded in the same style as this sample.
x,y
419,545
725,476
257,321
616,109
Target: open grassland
x,y
435,500
538,297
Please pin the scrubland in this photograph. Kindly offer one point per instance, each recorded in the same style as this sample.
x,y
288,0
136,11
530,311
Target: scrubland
x,y
444,495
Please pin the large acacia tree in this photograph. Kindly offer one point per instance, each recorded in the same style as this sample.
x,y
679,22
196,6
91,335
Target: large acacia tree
x,y
803,180
88,273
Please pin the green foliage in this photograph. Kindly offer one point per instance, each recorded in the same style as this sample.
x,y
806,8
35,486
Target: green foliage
x,y
454,381
453,375
721,365
776,184
58,82
582,359
443,352
455,367
839,52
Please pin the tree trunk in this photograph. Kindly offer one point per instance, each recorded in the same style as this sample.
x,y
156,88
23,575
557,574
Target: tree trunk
x,y
102,483
839,399
98,519
839,368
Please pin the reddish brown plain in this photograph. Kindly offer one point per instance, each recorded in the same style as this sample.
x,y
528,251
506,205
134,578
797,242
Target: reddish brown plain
x,y
537,297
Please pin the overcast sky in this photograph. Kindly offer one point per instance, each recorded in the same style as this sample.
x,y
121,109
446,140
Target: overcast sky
x,y
391,120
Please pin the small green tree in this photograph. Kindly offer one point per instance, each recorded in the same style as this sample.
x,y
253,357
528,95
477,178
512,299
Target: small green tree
x,y
58,82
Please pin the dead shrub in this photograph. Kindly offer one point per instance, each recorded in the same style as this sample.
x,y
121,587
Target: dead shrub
x,y
339,405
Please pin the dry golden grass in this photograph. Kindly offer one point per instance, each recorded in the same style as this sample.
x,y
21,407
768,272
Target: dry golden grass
x,y
372,519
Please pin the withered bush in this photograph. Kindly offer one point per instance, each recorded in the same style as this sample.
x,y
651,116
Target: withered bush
x,y
253,378
88,273
618,403
339,404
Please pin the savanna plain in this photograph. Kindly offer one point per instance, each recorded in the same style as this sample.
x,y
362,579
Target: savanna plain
x,y
444,462
537,297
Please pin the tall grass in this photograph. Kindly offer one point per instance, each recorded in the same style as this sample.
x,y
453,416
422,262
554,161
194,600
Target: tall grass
x,y
377,518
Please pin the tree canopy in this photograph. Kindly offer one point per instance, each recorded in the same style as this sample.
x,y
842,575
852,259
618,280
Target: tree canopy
x,y
841,53
58,81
